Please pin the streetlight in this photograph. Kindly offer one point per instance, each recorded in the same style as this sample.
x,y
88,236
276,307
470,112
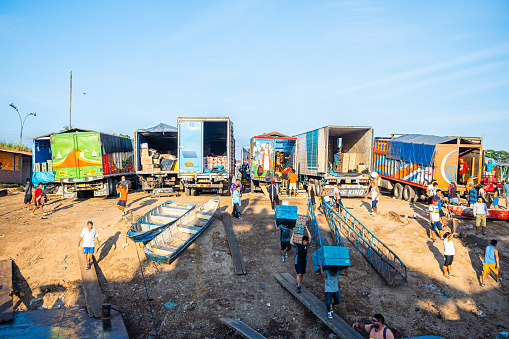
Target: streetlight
x,y
22,121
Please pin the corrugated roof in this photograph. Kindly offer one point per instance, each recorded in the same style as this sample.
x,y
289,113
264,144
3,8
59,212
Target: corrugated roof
x,y
16,152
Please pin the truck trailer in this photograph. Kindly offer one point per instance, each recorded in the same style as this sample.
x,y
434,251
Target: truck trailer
x,y
408,163
353,147
271,154
91,161
156,157
206,154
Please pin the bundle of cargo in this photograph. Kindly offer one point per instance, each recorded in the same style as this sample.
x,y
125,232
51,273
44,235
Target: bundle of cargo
x,y
286,215
216,161
331,257
43,166
346,162
299,230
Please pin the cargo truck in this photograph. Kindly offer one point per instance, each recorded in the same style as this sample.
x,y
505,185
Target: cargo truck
x,y
271,154
336,154
42,164
408,163
155,154
206,154
91,162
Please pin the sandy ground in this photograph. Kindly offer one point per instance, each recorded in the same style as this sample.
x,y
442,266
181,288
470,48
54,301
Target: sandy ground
x,y
203,285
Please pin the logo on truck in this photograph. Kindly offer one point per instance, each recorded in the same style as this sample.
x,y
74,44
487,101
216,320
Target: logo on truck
x,y
449,167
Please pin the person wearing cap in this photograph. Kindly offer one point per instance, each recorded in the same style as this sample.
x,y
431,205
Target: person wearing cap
x,y
434,218
273,190
462,170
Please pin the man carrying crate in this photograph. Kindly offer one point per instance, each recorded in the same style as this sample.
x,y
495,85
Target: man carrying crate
x,y
285,237
332,287
301,257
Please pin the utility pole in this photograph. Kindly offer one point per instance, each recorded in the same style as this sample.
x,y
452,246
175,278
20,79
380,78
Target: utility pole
x,y
70,101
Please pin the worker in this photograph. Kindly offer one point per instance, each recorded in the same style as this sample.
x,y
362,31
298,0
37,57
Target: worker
x,y
462,170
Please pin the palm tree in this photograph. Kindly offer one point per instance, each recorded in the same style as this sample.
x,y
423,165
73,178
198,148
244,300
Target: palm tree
x,y
66,128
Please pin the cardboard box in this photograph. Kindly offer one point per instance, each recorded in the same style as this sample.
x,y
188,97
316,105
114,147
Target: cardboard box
x,y
331,256
148,168
144,145
145,153
37,166
361,168
146,161
156,161
44,167
297,238
286,214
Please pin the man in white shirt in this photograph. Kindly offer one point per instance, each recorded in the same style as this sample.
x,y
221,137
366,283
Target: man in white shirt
x,y
434,218
88,236
480,211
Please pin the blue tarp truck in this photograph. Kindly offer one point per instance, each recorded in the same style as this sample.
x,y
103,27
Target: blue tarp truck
x,y
206,156
336,154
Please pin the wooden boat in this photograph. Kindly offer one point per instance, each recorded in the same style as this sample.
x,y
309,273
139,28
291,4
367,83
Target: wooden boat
x,y
468,212
157,220
167,246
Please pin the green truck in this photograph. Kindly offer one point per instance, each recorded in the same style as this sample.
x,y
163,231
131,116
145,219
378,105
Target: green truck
x,y
91,161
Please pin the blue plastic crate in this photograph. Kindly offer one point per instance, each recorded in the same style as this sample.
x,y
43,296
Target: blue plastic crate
x,y
331,256
286,214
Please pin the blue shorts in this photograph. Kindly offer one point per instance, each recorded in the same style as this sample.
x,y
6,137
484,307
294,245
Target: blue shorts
x,y
436,224
122,203
373,203
88,250
332,295
300,268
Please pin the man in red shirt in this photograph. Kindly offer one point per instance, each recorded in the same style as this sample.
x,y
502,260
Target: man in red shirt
x,y
38,199
463,170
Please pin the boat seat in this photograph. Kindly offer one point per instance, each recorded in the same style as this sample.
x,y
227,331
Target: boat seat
x,y
151,224
161,248
163,218
188,229
176,208
204,215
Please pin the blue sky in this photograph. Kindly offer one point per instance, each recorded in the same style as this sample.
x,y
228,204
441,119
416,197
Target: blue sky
x,y
428,67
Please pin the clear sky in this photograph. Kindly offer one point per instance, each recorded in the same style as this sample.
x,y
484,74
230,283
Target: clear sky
x,y
426,67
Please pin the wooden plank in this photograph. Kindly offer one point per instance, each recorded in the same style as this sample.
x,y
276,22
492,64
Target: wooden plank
x,y
244,330
336,324
238,263
6,312
91,288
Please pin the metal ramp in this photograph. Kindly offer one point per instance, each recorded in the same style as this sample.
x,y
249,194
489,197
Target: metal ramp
x,y
381,257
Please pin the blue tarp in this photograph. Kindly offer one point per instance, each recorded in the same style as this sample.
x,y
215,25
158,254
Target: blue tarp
x,y
161,128
44,177
415,148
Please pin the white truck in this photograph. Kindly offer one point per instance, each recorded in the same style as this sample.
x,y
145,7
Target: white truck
x,y
206,154
317,162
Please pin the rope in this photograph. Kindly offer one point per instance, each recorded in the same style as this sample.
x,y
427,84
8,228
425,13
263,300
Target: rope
x,y
146,290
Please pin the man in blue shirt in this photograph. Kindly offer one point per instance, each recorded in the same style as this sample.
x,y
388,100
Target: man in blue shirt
x,y
491,261
301,257
286,235
331,287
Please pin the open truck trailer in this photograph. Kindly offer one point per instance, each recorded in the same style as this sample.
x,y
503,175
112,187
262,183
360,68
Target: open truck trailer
x,y
156,157
271,154
408,163
91,161
316,160
206,154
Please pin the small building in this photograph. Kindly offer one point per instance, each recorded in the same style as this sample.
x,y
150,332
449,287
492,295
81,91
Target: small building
x,y
15,166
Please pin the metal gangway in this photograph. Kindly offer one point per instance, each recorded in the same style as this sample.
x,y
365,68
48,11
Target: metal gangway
x,y
381,257
313,226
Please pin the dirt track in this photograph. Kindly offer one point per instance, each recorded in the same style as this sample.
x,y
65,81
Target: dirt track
x,y
202,283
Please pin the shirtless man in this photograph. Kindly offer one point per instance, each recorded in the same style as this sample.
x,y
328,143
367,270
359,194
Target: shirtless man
x,y
377,329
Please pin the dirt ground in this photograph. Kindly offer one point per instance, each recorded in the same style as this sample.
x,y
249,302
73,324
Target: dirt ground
x,y
203,285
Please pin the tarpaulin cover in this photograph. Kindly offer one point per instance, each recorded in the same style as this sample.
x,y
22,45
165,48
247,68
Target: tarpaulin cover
x,y
44,177
115,143
161,128
415,148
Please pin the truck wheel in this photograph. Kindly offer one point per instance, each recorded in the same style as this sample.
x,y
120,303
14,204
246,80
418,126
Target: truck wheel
x,y
417,194
194,192
397,192
114,192
408,193
187,191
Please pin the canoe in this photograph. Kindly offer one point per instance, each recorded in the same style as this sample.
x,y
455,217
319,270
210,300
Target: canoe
x,y
468,212
157,220
167,246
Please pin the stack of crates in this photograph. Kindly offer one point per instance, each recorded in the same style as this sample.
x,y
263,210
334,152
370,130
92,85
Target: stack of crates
x,y
286,214
331,257
300,228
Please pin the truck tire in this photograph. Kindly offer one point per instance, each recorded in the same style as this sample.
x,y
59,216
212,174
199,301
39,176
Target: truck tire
x,y
416,195
408,193
397,192
114,192
194,192
187,191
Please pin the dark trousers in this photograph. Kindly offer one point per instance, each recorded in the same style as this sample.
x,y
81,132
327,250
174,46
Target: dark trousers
x,y
274,201
236,210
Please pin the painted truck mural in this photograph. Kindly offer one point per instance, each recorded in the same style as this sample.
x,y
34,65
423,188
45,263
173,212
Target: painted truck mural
x,y
90,161
270,156
409,163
